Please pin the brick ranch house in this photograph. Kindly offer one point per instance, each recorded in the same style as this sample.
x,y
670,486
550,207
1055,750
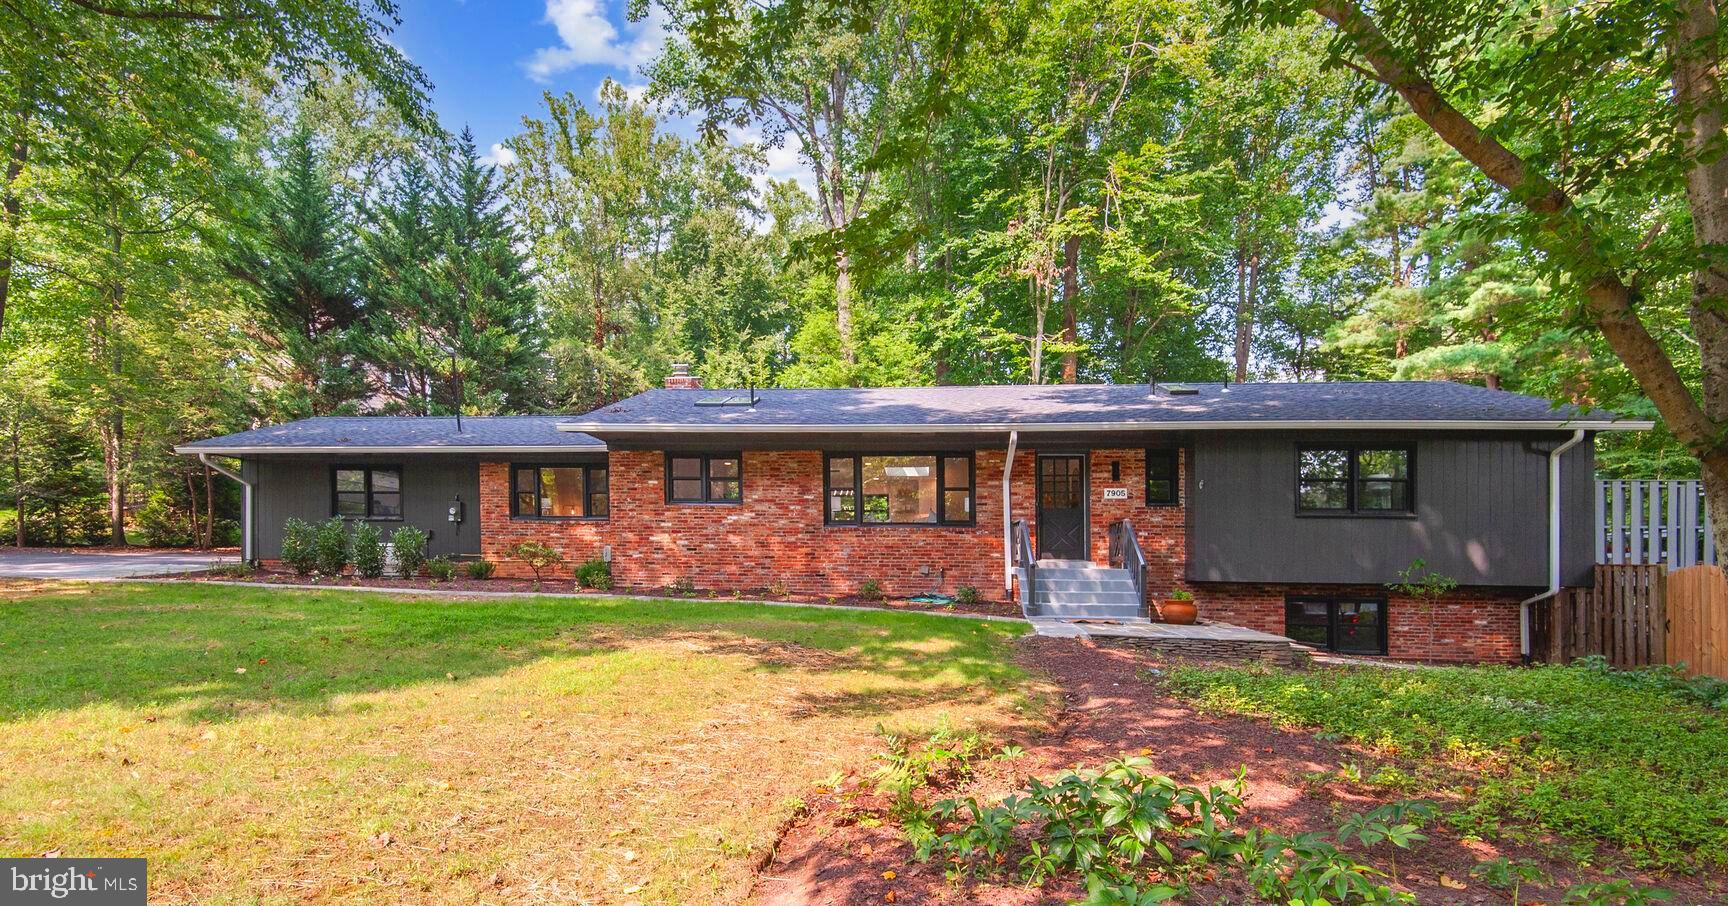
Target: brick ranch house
x,y
1285,507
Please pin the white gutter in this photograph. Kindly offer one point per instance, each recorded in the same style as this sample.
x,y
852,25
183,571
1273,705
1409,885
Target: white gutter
x,y
1008,515
355,448
245,505
1553,541
1092,427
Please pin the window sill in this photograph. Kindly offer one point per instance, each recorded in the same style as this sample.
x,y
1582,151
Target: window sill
x,y
906,525
560,518
1349,515
370,518
704,503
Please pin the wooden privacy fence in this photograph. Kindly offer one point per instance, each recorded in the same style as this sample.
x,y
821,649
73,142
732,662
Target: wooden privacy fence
x,y
1636,615
1653,521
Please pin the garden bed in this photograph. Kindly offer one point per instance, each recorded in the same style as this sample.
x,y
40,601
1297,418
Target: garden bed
x,y
278,576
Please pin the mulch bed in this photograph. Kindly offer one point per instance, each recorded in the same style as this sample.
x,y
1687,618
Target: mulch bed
x,y
840,852
568,586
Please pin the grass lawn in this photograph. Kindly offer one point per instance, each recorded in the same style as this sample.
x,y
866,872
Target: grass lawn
x,y
1588,754
272,746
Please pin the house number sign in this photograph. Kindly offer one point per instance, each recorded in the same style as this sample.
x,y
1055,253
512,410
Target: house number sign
x,y
1115,493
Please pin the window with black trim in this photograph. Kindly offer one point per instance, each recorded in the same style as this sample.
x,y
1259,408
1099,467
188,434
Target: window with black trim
x,y
1365,480
899,489
560,492
704,478
1163,478
1346,624
366,492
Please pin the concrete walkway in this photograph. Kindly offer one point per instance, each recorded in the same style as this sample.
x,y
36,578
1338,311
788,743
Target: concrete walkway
x,y
103,564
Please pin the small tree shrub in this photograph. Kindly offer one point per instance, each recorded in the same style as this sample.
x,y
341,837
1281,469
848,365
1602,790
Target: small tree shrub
x,y
871,590
595,574
441,568
161,523
682,587
409,545
480,569
967,595
367,547
300,546
331,546
540,558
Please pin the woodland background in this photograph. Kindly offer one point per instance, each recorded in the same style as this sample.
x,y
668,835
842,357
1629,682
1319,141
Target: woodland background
x,y
216,216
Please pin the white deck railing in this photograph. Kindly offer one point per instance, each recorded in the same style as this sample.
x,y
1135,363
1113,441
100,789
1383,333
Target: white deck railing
x,y
1653,521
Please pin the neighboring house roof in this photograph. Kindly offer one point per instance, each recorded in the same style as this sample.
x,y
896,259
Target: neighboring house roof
x,y
1092,407
404,434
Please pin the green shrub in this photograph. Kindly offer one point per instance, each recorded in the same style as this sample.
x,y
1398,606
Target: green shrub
x,y
1591,754
595,574
540,558
331,546
409,546
300,546
480,569
161,523
232,571
682,587
441,568
367,547
871,590
967,595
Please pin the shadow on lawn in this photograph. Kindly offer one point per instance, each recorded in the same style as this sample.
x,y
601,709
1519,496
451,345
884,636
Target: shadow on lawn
x,y
227,651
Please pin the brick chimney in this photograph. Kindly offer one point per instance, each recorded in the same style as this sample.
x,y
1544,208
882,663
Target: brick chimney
x,y
682,379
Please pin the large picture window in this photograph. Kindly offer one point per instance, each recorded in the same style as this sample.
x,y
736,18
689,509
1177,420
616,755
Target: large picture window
x,y
704,478
1361,480
900,489
560,492
1163,478
1350,625
366,492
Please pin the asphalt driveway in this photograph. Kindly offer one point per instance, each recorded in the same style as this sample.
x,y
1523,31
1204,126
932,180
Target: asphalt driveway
x,y
46,564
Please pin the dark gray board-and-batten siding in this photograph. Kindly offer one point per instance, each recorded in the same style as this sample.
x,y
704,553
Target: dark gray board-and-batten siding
x,y
1481,513
301,488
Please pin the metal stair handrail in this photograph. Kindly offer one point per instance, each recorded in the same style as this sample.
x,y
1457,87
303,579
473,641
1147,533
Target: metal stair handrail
x,y
1125,553
1024,559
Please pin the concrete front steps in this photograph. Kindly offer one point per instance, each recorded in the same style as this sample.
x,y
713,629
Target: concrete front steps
x,y
1081,590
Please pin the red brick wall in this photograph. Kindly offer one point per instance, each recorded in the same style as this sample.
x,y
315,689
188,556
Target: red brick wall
x,y
1468,625
1162,530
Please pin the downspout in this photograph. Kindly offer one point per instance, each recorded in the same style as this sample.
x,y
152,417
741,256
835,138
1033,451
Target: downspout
x,y
1008,516
1553,542
245,505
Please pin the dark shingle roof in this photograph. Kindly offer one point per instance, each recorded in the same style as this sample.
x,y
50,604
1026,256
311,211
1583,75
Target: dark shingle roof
x,y
1406,403
381,432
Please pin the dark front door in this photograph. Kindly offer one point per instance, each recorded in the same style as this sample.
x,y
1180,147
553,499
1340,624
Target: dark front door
x,y
1062,507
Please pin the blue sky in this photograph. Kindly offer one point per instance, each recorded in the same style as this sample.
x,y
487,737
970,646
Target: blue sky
x,y
490,60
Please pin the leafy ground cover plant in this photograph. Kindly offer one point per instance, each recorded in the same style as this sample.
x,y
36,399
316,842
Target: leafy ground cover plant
x,y
300,546
409,545
480,569
1580,751
441,568
871,590
682,587
367,550
331,546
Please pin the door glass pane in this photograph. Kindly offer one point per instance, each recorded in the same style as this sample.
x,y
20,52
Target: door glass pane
x,y
1306,621
562,492
1357,627
900,489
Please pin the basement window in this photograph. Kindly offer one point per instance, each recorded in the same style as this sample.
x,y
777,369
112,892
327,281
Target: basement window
x,y
1347,625
366,492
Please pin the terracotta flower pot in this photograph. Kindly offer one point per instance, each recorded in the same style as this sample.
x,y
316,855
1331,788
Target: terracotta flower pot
x,y
1182,613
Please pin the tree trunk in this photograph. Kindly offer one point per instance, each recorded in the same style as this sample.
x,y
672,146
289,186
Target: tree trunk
x,y
1244,313
112,427
209,510
1070,305
11,208
843,305
18,477
192,509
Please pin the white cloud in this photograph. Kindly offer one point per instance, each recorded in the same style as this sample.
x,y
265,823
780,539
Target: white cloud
x,y
499,156
589,37
780,162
